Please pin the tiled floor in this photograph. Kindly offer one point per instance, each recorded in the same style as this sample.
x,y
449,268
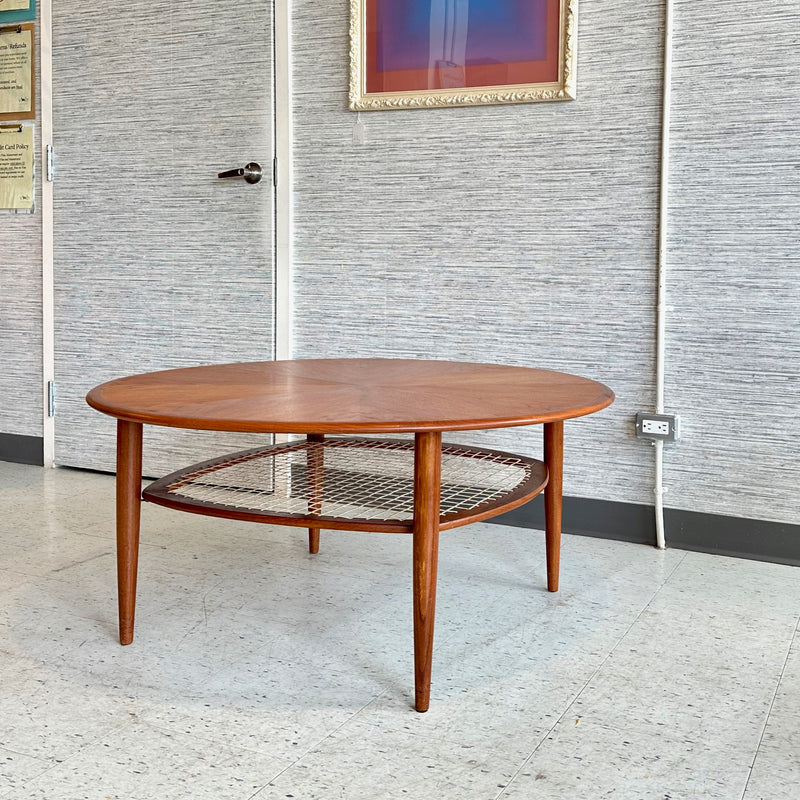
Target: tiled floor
x,y
259,671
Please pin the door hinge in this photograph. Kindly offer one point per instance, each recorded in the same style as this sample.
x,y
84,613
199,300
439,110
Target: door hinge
x,y
275,172
50,162
51,399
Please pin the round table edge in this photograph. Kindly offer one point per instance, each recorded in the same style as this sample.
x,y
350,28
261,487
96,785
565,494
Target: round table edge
x,y
306,427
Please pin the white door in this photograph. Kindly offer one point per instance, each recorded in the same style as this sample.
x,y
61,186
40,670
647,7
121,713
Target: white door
x,y
158,262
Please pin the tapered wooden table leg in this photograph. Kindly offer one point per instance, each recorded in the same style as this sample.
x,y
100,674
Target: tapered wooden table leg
x,y
554,458
427,486
129,493
314,466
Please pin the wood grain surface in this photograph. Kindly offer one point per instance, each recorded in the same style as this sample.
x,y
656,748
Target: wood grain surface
x,y
349,395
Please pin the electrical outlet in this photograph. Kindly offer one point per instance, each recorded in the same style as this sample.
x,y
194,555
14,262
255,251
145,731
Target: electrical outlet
x,y
659,427
663,427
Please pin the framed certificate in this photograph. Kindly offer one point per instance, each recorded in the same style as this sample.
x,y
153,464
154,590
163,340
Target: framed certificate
x,y
432,53
17,11
16,167
17,85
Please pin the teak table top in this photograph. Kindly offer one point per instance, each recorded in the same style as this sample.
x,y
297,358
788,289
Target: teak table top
x,y
346,395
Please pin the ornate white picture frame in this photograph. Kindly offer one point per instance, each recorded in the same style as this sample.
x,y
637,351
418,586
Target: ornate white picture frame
x,y
437,53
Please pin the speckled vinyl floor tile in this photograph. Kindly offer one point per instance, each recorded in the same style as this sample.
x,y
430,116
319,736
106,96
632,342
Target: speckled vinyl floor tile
x,y
589,760
776,770
260,672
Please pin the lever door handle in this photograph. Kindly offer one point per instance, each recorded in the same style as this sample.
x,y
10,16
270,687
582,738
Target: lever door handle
x,y
251,172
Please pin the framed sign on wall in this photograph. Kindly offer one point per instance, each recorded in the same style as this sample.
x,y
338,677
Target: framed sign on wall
x,y
16,167
17,11
17,86
435,53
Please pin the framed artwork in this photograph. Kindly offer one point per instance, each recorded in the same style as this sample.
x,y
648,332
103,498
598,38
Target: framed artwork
x,y
435,53
17,11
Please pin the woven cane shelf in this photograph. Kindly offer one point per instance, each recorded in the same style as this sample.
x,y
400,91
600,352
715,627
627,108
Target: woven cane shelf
x,y
348,483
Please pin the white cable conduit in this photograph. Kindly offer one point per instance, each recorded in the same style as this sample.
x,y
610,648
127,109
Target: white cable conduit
x,y
661,308
282,305
283,191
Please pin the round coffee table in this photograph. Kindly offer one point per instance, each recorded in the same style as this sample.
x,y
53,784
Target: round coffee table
x,y
348,481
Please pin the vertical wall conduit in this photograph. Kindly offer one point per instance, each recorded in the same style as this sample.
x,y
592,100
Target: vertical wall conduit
x,y
282,115
282,93
661,308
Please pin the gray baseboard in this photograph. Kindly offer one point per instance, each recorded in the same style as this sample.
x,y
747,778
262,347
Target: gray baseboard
x,y
22,449
688,530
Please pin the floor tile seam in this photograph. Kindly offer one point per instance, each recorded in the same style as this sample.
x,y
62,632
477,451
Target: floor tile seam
x,y
13,752
286,539
16,574
292,760
297,541
657,592
769,711
448,637
572,702
288,564
638,573
81,617
728,578
675,568
141,615
220,668
308,565
8,790
227,748
760,566
22,784
46,763
112,550
787,619
317,744
55,574
42,576
647,610
64,762
545,736
765,615
298,660
57,762
10,653
380,566
406,591
642,610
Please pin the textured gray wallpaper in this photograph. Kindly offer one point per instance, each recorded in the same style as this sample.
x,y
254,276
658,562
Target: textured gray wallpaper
x,y
523,234
526,234
734,330
158,262
21,306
